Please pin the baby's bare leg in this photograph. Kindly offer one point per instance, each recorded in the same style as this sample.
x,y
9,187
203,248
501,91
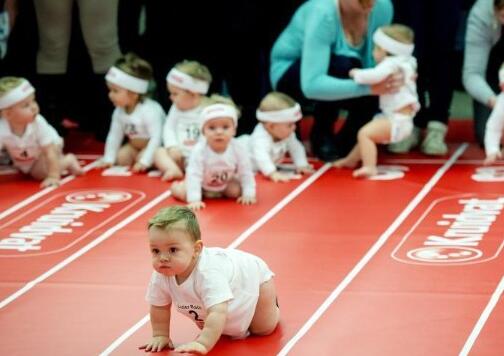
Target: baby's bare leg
x,y
39,170
267,313
376,131
178,190
233,189
126,155
71,163
167,165
351,160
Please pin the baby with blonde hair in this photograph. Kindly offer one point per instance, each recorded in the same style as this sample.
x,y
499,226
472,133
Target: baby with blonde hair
x,y
33,145
187,83
274,137
392,52
219,165
223,291
136,117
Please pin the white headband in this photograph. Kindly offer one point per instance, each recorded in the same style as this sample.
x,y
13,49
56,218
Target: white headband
x,y
292,114
392,46
185,81
219,110
127,81
501,76
17,94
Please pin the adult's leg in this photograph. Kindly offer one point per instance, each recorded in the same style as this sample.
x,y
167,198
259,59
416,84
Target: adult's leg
x,y
54,19
99,28
325,114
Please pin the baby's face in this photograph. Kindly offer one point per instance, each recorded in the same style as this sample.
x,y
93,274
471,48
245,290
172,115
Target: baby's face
x,y
174,253
219,132
281,130
181,98
23,112
120,96
379,54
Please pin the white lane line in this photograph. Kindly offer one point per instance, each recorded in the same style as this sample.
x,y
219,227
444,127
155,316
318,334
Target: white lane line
x,y
239,240
85,249
477,162
372,251
483,318
41,193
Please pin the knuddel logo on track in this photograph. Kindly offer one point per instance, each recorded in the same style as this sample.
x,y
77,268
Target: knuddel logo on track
x,y
64,219
462,229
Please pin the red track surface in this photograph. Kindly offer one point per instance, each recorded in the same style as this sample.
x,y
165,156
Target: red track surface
x,y
390,307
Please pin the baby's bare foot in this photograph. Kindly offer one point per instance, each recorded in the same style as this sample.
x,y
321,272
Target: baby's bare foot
x,y
365,172
344,163
169,175
74,166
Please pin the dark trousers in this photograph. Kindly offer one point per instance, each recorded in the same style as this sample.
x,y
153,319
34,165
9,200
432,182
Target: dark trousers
x,y
325,113
234,48
481,111
435,25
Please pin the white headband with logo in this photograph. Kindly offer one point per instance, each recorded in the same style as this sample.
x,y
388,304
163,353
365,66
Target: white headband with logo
x,y
219,110
501,76
391,45
17,94
185,81
119,77
292,114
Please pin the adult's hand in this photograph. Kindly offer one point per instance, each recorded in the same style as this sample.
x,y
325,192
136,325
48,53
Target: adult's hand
x,y
389,85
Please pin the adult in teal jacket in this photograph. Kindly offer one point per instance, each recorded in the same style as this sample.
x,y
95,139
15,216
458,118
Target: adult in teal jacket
x,y
311,59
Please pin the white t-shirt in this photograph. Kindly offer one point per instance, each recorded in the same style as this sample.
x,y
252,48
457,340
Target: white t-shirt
x,y
212,171
25,150
494,127
145,122
182,129
407,94
220,275
266,153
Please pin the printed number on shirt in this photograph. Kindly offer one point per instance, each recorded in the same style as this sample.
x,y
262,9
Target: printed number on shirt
x,y
130,129
199,322
218,179
191,133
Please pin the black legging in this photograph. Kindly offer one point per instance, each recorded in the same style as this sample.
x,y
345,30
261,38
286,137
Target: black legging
x,y
325,113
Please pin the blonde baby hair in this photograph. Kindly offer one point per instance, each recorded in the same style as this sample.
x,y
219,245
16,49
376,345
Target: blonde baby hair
x,y
195,69
275,101
399,32
169,218
9,83
135,66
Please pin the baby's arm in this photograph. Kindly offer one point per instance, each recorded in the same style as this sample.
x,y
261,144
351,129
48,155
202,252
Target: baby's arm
x,y
115,137
247,177
373,75
493,131
160,322
53,166
194,179
212,331
298,155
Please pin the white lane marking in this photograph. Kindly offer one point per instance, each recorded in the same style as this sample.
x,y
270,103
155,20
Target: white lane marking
x,y
239,240
372,251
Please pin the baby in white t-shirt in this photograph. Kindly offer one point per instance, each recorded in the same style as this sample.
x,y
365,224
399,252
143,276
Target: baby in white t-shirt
x,y
224,291
33,145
